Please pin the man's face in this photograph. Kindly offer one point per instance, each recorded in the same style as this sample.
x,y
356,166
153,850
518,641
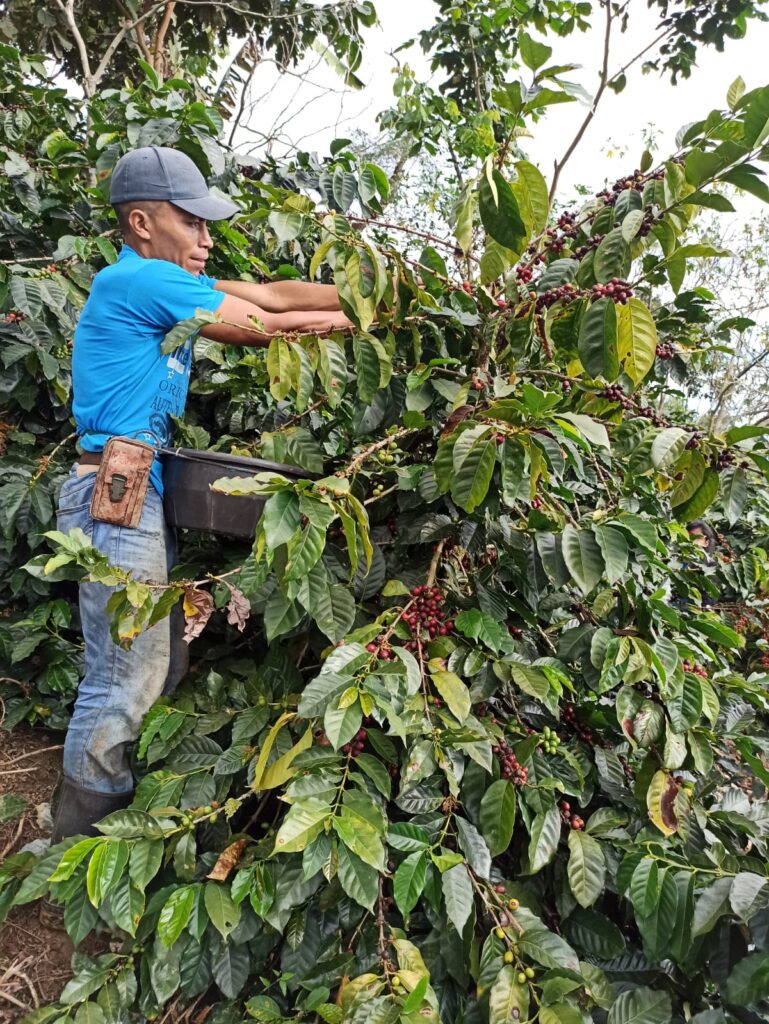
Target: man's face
x,y
699,538
178,237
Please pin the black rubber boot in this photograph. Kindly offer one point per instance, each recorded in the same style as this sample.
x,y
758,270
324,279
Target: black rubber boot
x,y
78,809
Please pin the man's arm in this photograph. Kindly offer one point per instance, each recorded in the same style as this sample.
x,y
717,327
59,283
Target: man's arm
x,y
284,296
240,330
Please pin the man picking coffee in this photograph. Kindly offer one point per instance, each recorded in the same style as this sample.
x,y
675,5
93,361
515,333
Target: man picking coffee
x,y
124,387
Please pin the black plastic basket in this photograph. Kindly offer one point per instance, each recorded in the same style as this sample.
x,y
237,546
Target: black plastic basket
x,y
189,502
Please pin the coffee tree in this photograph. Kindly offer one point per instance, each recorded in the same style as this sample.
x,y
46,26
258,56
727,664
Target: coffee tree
x,y
473,731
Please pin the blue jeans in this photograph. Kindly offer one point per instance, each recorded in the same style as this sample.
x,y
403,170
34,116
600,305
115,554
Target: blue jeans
x,y
118,686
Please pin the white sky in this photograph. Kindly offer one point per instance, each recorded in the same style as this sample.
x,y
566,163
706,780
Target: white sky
x,y
648,101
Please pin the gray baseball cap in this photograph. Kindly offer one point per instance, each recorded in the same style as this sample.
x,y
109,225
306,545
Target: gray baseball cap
x,y
155,172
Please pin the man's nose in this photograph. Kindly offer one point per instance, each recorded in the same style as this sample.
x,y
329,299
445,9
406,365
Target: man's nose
x,y
205,236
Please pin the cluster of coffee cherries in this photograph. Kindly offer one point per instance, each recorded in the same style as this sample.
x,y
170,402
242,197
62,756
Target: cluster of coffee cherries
x,y
427,614
764,661
564,293
567,223
617,290
741,624
385,456
572,820
648,692
722,460
47,271
616,394
646,412
694,440
381,648
14,317
569,717
554,243
510,767
637,181
698,670
523,273
592,243
551,741
377,489
664,351
356,744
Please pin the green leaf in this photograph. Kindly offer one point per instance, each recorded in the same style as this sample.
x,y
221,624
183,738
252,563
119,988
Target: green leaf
x,y
11,807
304,821
497,816
641,1006
304,550
359,880
221,908
583,557
636,339
463,220
587,868
543,841
612,257
735,92
454,692
106,865
533,53
667,447
367,368
287,224
281,517
543,946
409,881
530,189
702,498
748,983
614,549
471,481
499,211
280,614
72,857
734,492
749,894
127,904
402,835
282,368
458,894
645,887
474,847
175,914
508,1000
341,724
756,119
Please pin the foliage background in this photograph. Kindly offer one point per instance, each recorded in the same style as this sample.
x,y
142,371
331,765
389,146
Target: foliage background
x,y
549,799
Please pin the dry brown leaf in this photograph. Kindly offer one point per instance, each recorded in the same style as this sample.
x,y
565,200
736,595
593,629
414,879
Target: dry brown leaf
x,y
198,606
228,859
238,608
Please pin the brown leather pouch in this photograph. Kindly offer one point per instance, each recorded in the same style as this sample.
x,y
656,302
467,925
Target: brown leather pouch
x,y
121,482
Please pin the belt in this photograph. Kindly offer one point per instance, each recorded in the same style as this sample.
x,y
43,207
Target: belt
x,y
90,458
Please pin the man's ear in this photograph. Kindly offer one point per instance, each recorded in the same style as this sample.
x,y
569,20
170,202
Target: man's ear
x,y
140,223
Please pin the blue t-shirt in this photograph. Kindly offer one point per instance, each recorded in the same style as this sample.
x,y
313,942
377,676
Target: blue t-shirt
x,y
121,383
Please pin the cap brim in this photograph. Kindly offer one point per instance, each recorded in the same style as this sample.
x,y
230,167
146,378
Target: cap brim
x,y
208,207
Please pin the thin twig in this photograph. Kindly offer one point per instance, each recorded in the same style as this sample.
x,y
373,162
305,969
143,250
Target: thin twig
x,y
603,78
31,753
12,999
12,842
433,571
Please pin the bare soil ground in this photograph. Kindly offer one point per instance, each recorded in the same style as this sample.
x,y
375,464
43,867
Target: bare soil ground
x,y
34,961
